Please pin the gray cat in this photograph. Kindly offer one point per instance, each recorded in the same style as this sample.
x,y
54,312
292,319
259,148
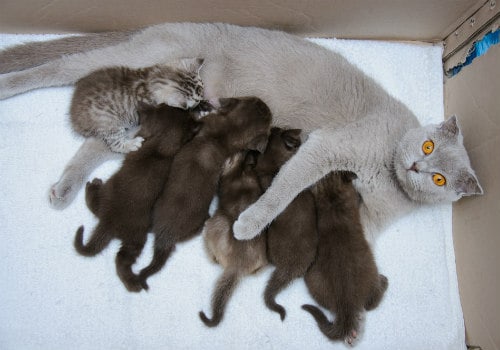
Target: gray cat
x,y
105,104
357,125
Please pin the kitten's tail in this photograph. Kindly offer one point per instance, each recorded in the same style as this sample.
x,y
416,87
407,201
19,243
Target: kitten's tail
x,y
277,282
162,251
226,284
343,328
124,260
35,53
97,242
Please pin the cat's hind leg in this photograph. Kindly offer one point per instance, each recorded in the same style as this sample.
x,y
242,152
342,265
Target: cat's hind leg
x,y
127,257
377,293
92,195
89,156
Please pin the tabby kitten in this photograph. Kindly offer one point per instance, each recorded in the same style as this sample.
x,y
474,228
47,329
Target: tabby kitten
x,y
105,102
292,237
125,202
179,214
238,188
344,277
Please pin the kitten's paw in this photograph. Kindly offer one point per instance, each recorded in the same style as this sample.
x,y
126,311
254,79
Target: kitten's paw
x,y
351,337
126,146
62,193
247,227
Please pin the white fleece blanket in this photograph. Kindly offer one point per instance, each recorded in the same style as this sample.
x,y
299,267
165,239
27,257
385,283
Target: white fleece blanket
x,y
53,298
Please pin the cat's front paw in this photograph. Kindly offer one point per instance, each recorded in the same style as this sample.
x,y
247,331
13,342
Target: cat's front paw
x,y
62,193
126,146
247,227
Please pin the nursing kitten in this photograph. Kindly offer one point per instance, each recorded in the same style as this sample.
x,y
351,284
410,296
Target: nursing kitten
x,y
179,214
292,237
105,102
238,188
125,202
104,106
359,126
344,277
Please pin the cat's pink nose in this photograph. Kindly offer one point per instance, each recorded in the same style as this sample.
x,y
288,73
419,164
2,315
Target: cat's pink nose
x,y
414,167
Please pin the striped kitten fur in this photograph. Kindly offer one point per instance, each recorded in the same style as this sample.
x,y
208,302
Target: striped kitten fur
x,y
105,102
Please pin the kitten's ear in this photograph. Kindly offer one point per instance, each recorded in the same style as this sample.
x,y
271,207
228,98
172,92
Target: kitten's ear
x,y
348,176
195,126
291,138
143,107
450,126
192,64
258,144
467,184
251,159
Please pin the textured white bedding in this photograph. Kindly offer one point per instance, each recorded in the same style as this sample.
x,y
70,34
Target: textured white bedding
x,y
52,298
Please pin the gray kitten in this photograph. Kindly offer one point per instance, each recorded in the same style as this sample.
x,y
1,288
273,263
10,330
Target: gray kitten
x,y
238,188
357,125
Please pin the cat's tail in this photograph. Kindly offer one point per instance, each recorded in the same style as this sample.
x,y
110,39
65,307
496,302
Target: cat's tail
x,y
35,53
345,326
97,242
226,284
124,260
162,250
279,279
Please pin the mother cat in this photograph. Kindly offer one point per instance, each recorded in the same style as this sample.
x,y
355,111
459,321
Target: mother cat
x,y
355,124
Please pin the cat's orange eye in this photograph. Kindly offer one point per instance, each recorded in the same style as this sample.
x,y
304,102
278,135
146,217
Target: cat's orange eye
x,y
438,179
428,147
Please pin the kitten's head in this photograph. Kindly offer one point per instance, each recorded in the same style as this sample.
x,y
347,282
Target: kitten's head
x,y
432,165
244,123
172,126
178,83
282,145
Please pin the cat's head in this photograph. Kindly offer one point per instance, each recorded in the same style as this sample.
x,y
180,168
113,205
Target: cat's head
x,y
282,145
178,83
244,123
432,165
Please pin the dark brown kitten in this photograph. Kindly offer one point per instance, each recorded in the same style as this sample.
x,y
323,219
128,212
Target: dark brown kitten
x,y
181,210
125,202
239,187
344,277
292,237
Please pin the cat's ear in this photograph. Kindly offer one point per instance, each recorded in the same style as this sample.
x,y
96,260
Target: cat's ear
x,y
258,144
251,159
291,138
192,64
348,176
195,126
450,126
467,184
